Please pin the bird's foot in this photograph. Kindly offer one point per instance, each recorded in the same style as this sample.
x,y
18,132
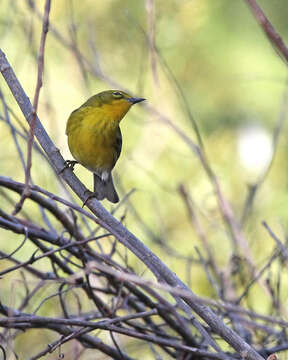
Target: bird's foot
x,y
69,164
90,195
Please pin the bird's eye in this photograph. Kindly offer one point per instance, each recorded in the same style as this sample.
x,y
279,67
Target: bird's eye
x,y
117,94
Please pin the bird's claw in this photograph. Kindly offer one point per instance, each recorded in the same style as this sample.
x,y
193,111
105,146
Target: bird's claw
x,y
69,164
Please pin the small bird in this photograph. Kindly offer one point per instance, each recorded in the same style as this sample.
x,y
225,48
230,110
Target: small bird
x,y
95,139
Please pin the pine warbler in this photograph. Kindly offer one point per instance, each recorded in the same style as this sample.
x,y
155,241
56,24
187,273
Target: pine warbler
x,y
95,140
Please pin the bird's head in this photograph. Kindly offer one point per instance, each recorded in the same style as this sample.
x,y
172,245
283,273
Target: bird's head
x,y
114,102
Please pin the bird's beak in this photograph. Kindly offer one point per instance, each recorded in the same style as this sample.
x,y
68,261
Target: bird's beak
x,y
135,100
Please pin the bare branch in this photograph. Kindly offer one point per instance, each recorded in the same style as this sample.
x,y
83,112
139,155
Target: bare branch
x,y
45,27
268,28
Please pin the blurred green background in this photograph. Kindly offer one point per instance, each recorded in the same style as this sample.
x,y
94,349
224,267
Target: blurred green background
x,y
233,81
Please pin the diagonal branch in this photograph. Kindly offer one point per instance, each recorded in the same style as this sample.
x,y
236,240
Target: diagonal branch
x,y
268,28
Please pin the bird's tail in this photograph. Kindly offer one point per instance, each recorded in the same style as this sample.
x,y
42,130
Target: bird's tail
x,y
105,189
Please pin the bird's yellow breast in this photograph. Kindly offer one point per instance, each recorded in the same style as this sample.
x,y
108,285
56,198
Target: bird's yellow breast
x,y
92,136
116,110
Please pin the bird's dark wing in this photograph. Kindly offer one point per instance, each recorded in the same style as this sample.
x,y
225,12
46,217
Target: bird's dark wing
x,y
118,143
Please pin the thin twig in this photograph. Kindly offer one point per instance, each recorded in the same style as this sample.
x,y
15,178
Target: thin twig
x,y
45,28
268,28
